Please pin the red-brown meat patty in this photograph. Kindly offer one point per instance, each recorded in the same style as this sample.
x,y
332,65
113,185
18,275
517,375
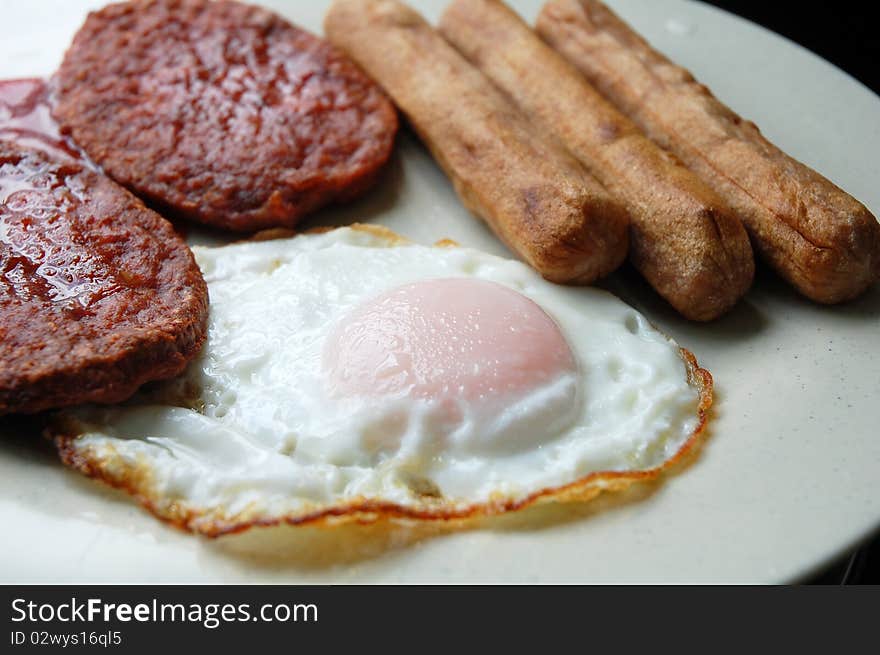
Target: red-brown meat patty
x,y
97,293
222,112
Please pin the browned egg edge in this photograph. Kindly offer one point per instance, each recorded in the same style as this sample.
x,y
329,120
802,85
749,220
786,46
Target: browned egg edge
x,y
137,483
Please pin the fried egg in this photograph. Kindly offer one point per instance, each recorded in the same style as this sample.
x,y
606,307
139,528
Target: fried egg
x,y
352,375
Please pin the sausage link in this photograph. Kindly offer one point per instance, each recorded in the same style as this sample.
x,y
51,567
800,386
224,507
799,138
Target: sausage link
x,y
535,196
818,237
684,239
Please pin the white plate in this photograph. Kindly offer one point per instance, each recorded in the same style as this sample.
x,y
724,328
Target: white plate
x,y
789,477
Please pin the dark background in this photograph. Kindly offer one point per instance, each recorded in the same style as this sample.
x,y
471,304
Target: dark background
x,y
842,33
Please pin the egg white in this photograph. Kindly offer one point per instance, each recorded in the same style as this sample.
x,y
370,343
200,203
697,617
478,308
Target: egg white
x,y
248,435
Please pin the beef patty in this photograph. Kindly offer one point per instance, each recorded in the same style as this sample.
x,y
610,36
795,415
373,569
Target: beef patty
x,y
98,294
222,112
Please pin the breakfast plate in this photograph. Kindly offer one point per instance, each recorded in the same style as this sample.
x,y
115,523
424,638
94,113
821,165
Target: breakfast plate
x,y
788,478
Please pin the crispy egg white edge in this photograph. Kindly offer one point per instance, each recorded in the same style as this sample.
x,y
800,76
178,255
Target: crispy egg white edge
x,y
138,479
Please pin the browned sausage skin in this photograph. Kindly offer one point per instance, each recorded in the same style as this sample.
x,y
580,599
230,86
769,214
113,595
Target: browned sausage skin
x,y
535,196
816,236
684,240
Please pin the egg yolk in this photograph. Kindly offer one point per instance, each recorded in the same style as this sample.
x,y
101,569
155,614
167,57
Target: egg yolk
x,y
446,338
